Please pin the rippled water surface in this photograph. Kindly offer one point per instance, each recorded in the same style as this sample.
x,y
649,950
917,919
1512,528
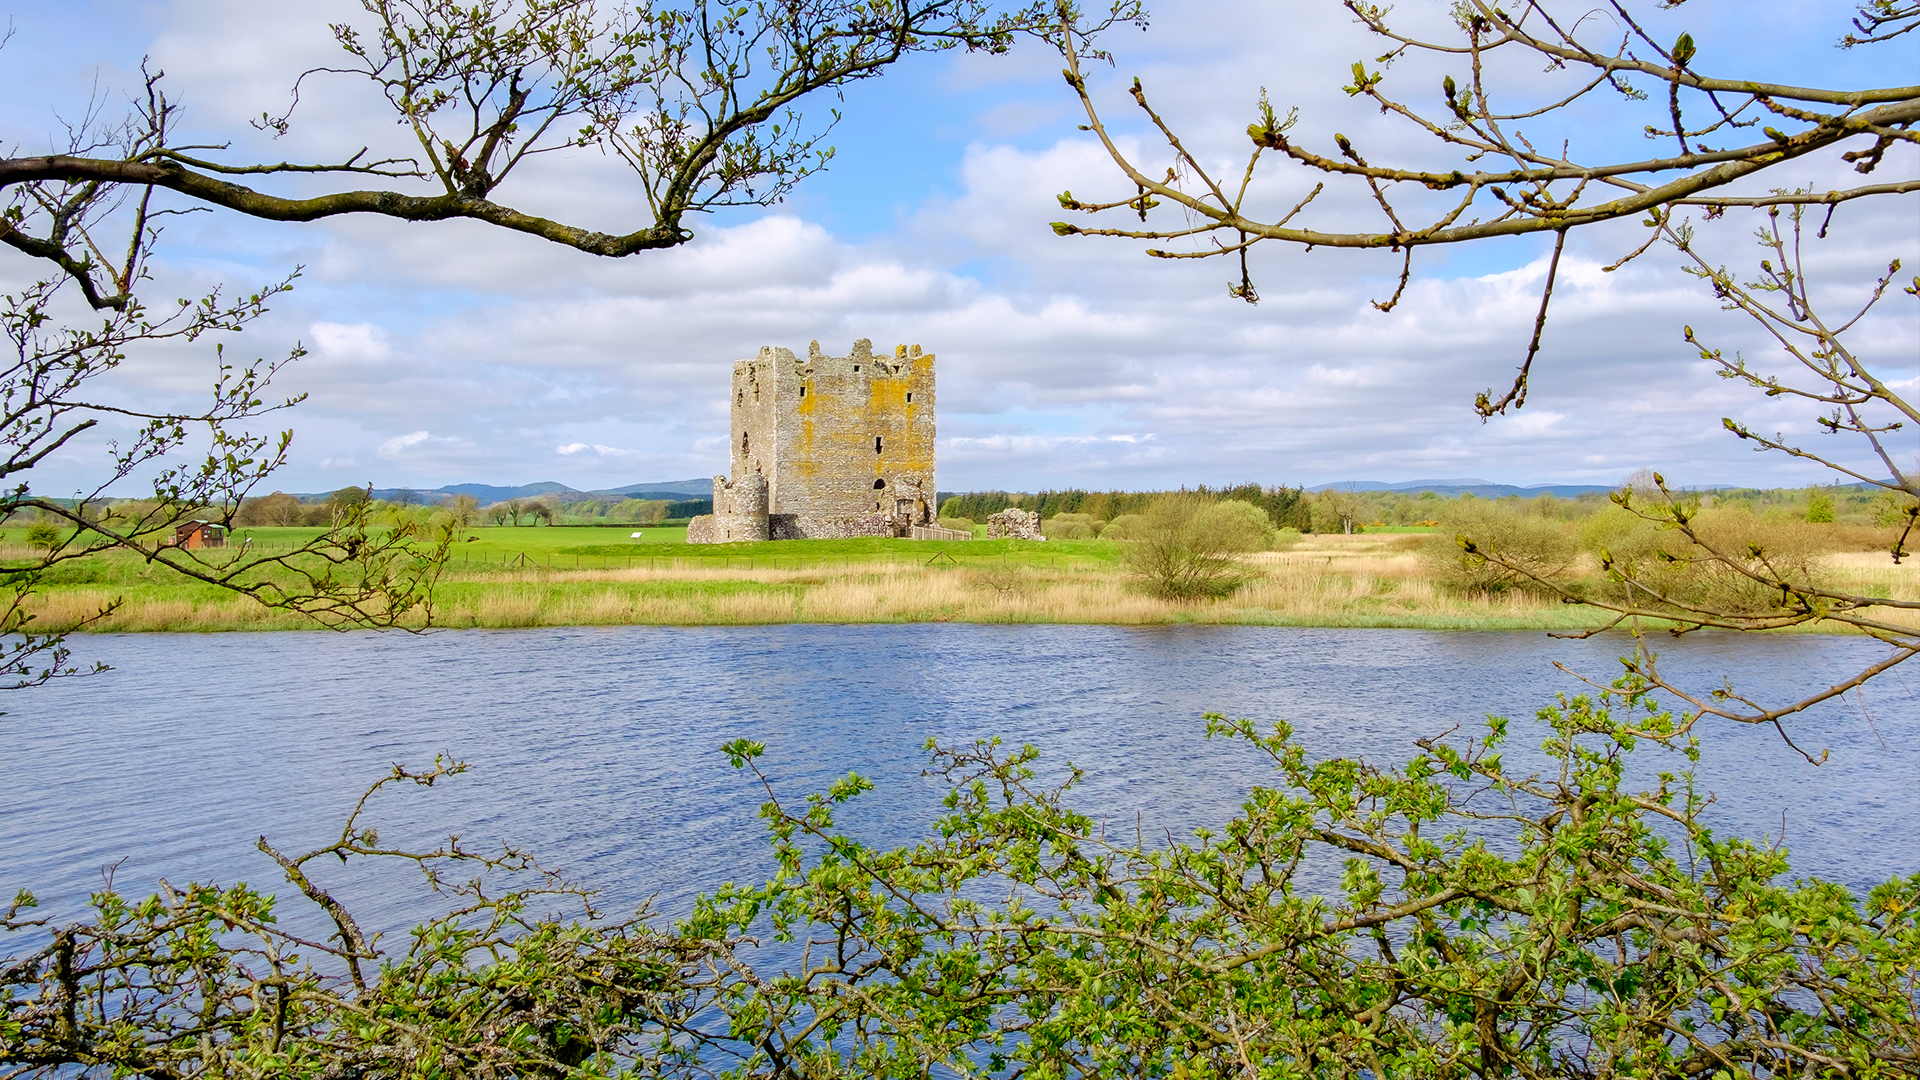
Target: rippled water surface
x,y
597,748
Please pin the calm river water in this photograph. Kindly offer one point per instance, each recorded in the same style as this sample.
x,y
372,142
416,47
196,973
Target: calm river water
x,y
597,748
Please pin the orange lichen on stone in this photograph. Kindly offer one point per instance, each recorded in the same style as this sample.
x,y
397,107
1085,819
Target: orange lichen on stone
x,y
827,447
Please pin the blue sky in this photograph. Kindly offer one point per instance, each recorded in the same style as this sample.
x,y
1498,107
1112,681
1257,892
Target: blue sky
x,y
451,353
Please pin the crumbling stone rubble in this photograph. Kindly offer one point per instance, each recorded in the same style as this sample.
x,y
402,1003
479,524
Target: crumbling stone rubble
x,y
1014,524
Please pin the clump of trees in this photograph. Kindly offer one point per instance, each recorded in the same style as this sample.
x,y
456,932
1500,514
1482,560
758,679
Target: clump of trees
x,y
1287,507
280,508
1533,547
1491,546
1072,527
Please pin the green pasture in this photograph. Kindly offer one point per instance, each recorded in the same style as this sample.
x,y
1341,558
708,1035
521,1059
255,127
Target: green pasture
x,y
577,547
574,547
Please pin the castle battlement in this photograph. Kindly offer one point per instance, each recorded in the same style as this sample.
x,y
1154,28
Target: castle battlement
x,y
826,446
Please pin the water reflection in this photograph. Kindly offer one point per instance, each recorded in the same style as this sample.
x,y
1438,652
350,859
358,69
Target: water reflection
x,y
597,747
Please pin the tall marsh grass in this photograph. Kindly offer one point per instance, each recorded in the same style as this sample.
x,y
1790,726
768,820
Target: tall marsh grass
x,y
1361,580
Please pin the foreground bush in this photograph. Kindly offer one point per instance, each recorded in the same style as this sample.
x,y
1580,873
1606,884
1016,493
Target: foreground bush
x,y
1487,923
1184,548
1527,548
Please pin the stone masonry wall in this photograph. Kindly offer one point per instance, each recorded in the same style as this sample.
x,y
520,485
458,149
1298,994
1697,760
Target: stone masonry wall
x,y
739,512
845,444
1014,524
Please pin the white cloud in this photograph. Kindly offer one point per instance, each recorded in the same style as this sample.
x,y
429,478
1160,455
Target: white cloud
x,y
360,341
392,447
1061,361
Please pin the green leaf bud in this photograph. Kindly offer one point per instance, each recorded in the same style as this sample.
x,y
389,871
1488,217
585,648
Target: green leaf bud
x,y
1683,50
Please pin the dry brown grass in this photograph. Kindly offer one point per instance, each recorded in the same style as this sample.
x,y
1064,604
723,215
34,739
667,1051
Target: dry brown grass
x,y
1874,573
64,609
1362,580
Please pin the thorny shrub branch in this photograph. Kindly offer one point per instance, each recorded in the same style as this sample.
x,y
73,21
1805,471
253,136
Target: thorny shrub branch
x,y
1506,185
204,980
197,462
1704,577
1452,916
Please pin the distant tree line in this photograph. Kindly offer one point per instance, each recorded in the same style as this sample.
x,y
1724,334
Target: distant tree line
x,y
1341,510
281,508
1284,505
1332,510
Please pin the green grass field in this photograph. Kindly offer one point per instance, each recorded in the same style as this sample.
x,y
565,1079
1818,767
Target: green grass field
x,y
578,576
586,546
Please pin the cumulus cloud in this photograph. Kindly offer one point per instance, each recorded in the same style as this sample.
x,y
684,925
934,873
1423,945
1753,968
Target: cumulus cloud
x,y
1075,361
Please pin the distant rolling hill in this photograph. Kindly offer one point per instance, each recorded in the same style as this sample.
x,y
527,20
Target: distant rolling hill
x,y
485,494
1479,489
700,486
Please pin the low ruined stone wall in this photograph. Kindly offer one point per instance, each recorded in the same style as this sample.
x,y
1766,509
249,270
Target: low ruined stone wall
x,y
1014,524
727,529
844,528
934,532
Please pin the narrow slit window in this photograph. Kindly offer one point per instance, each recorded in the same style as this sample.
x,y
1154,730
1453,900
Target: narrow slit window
x,y
743,442
803,391
876,444
909,395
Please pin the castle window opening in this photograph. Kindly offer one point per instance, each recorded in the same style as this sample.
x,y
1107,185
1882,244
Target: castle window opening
x,y
744,436
876,444
909,396
878,484
856,367
803,391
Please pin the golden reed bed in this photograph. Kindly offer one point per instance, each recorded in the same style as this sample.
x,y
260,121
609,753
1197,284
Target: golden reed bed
x,y
1336,581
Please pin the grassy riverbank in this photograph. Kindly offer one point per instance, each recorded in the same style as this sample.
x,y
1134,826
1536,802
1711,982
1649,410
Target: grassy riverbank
x,y
560,576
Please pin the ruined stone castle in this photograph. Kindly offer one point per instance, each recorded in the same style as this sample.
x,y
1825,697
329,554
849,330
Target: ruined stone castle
x,y
826,447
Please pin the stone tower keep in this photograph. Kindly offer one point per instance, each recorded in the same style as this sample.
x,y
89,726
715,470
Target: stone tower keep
x,y
826,446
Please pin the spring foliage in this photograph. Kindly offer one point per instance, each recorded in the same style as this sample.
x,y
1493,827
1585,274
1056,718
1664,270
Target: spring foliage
x,y
1486,922
1185,547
